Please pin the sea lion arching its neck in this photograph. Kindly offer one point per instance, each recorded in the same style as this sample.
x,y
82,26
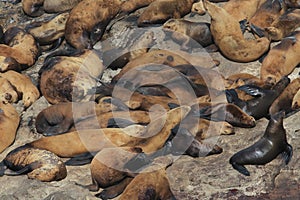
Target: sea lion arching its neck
x,y
266,149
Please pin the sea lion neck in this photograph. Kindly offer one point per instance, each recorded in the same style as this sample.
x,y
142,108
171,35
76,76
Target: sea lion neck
x,y
275,126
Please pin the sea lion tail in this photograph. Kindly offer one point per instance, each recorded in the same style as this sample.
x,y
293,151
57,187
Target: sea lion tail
x,y
287,154
240,168
2,168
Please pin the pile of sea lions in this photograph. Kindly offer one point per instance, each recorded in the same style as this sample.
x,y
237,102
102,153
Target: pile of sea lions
x,y
161,104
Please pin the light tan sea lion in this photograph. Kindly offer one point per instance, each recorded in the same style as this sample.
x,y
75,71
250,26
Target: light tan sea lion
x,y
281,60
37,163
160,11
56,6
9,122
88,20
229,38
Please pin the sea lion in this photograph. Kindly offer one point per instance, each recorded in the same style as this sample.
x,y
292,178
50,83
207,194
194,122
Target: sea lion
x,y
33,8
267,13
284,25
266,149
292,3
229,38
281,59
20,46
58,6
88,20
37,163
9,123
151,183
49,31
296,101
258,107
236,80
7,92
186,32
160,11
132,5
70,78
23,86
198,8
286,100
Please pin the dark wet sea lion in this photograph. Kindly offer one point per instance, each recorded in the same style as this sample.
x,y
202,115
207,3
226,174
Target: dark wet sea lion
x,y
20,46
9,123
33,8
284,25
258,107
281,59
266,149
38,164
229,38
88,20
285,101
160,11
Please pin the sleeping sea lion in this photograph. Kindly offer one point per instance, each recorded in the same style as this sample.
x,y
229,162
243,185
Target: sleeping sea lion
x,y
88,20
23,85
258,107
58,6
9,123
286,100
33,8
132,5
266,149
281,59
37,163
229,38
160,11
20,46
284,25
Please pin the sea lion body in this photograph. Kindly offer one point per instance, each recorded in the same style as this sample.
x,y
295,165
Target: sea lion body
x,y
281,59
198,31
161,10
39,164
266,149
88,20
132,5
33,8
7,92
58,6
229,38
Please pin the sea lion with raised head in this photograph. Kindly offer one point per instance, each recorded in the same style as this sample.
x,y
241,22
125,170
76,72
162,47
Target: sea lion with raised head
x,y
273,143
88,20
229,38
36,163
281,59
9,123
160,11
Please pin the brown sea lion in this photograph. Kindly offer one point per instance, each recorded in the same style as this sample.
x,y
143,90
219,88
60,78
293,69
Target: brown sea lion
x,y
132,5
266,149
88,20
36,163
296,101
185,30
33,8
9,122
281,60
151,183
47,32
285,101
258,107
57,6
70,78
7,92
23,86
267,13
20,46
160,11
198,8
292,3
9,63
284,25
229,38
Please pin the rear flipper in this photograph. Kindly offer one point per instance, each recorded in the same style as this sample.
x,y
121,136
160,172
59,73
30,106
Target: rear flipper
x,y
24,170
240,168
287,154
115,190
119,123
257,30
252,90
81,159
3,168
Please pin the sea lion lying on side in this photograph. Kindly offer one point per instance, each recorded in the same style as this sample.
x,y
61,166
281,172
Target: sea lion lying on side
x,y
229,38
266,149
9,123
281,60
160,11
88,20
21,47
37,163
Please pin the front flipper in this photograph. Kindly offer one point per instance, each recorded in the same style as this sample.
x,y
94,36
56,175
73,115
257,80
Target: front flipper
x,y
81,159
252,90
287,154
24,170
243,25
257,30
240,168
